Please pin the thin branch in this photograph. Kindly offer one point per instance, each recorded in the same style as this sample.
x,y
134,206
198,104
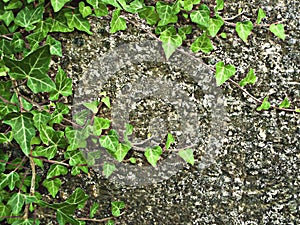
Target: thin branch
x,y
49,161
4,36
233,17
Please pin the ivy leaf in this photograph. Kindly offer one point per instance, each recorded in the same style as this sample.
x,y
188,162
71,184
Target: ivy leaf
x,y
113,3
9,180
16,202
166,14
49,151
153,154
84,10
260,15
265,105
4,211
182,31
4,138
285,103
243,29
187,155
202,43
106,101
128,131
278,30
297,110
34,67
55,46
29,16
170,41
58,4
14,4
94,209
110,222
77,138
110,142
64,218
75,20
149,13
220,5
57,116
201,16
101,10
223,73
117,23
52,186
214,25
170,140
22,128
116,207
249,79
7,17
63,85
60,22
56,170
99,125
93,106
75,158
82,117
121,151
108,169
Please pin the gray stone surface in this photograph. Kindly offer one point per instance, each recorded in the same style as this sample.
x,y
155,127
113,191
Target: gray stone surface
x,y
255,178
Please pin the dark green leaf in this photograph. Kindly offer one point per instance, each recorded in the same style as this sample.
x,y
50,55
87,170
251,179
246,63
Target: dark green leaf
x,y
56,170
29,16
52,186
55,46
149,13
63,85
16,202
64,218
75,20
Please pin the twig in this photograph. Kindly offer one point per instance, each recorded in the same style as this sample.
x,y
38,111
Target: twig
x,y
233,17
50,161
4,36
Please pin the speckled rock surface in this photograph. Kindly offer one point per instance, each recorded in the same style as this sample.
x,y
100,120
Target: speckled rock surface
x,y
255,178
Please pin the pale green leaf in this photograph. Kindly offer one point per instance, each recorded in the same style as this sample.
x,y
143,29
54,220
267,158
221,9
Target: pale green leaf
x,y
121,151
110,142
55,46
202,43
63,85
82,117
94,209
223,73
84,10
99,125
22,128
108,169
214,25
249,79
93,106
4,138
16,202
187,155
244,29
153,154
220,5
201,16
285,103
101,10
278,30
75,157
106,101
170,140
265,105
166,14
117,22
49,151
116,207
170,41
260,15
52,186
58,4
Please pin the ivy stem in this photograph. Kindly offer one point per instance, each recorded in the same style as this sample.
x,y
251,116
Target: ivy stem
x,y
4,36
233,17
49,161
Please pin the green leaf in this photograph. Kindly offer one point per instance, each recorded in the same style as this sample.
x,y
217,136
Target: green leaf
x,y
64,218
84,10
187,155
75,20
182,31
29,16
117,23
52,186
170,41
201,16
9,180
128,131
113,3
76,137
249,79
101,10
13,4
116,207
58,4
4,211
166,14
60,22
57,116
220,5
214,25
202,43
265,105
153,154
40,118
106,101
134,6
94,209
56,170
132,160
82,117
285,103
55,46
63,85
75,158
297,110
170,140
278,30
223,35
22,128
93,106
121,151
223,73
244,29
149,13
110,142
49,151
16,202
110,222
78,197
7,17
92,156
108,169
99,125
260,15
34,67
4,138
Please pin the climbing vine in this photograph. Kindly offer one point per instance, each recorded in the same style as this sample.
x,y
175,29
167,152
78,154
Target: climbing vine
x,y
36,129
